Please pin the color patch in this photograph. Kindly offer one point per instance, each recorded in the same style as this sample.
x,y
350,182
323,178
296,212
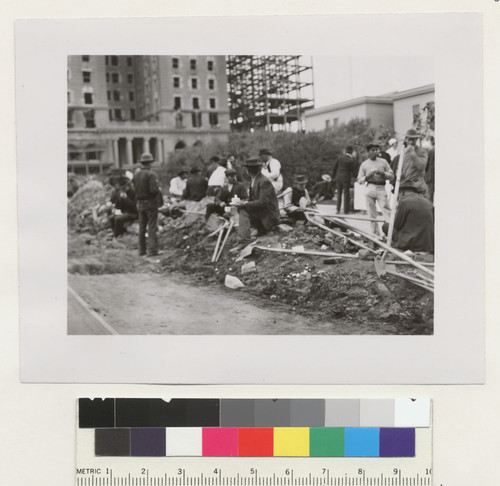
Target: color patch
x,y
147,442
96,413
361,442
272,413
376,413
184,441
307,413
112,442
326,442
291,442
412,412
397,442
203,412
256,441
342,413
237,413
220,441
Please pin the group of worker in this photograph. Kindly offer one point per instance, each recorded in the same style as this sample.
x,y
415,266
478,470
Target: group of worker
x,y
256,201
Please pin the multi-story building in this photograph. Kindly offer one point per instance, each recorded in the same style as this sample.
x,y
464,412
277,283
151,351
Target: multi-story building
x,y
121,106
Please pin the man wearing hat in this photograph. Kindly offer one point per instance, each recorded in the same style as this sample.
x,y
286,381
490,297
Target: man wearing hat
x,y
393,148
125,206
323,189
374,172
148,196
178,184
196,186
227,192
271,169
343,173
261,210
414,163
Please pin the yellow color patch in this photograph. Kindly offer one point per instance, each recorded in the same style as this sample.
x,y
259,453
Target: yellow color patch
x,y
291,441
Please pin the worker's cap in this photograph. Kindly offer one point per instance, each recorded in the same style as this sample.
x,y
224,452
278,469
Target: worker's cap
x,y
146,159
264,151
182,171
230,172
195,170
326,178
412,133
300,179
253,162
372,145
392,141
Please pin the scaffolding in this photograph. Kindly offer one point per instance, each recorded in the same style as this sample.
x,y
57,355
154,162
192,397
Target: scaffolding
x,y
270,92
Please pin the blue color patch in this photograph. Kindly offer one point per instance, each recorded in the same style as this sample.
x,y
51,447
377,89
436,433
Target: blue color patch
x,y
361,442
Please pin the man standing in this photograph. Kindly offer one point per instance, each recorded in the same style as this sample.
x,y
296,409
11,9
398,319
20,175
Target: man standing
x,y
148,195
271,169
261,210
414,163
342,174
373,172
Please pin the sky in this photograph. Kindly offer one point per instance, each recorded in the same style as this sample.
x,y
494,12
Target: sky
x,y
339,79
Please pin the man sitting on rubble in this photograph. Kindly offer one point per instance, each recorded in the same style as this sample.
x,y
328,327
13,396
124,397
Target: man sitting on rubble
x,y
261,210
414,222
196,186
124,202
218,177
323,189
226,194
300,199
178,184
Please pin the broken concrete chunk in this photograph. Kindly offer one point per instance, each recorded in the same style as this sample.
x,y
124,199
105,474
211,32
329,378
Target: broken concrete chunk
x,y
233,282
298,248
248,267
285,228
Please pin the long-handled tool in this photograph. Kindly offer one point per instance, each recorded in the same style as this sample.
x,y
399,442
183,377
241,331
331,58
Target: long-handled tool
x,y
219,238
231,225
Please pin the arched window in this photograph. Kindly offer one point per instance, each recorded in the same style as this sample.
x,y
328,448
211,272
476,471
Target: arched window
x,y
180,145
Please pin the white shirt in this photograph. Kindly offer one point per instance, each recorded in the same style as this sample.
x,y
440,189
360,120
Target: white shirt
x,y
392,151
218,177
272,170
177,186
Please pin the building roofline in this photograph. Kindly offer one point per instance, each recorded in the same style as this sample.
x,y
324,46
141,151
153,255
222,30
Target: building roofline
x,y
428,88
377,100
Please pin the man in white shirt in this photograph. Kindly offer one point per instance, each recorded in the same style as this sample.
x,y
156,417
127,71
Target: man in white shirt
x,y
218,178
393,148
374,172
271,168
178,184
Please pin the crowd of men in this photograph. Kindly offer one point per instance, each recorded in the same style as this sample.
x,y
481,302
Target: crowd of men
x,y
259,200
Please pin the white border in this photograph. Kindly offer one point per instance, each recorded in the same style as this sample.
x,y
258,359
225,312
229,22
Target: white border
x,y
453,355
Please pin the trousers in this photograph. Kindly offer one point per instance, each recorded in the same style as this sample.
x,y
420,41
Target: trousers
x,y
343,187
148,221
373,194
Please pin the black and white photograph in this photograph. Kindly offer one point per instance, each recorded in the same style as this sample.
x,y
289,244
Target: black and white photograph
x,y
190,209
250,194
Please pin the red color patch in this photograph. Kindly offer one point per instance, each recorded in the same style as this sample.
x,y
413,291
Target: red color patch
x,y
256,441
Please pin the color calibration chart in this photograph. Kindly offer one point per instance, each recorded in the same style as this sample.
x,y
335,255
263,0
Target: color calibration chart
x,y
138,441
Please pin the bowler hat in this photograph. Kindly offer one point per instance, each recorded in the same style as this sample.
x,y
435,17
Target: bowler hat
x,y
146,159
372,145
411,133
253,162
300,179
264,151
230,172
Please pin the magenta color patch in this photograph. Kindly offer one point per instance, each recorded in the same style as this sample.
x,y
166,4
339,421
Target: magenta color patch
x,y
220,441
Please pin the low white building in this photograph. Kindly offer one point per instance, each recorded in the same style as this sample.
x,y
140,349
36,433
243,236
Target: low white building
x,y
410,105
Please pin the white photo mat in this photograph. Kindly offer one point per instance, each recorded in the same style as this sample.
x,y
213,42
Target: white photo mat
x,y
454,354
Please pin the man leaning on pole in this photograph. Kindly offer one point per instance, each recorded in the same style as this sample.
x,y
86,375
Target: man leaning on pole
x,y
149,198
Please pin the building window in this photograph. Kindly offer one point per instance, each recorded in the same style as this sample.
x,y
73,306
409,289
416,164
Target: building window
x,y
213,118
130,78
115,77
70,119
196,119
196,103
210,65
211,103
192,63
86,76
335,123
211,84
85,58
177,102
69,97
87,98
110,113
131,96
106,60
109,95
114,60
327,124
116,95
194,83
132,114
129,61
107,77
118,114
177,82
89,118
175,62
416,113
179,120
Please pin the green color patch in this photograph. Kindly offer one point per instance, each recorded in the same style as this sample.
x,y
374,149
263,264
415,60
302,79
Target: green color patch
x,y
326,442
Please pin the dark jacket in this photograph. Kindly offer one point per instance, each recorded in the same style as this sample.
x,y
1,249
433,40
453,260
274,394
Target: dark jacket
x,y
124,200
263,203
146,185
344,169
225,195
196,188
